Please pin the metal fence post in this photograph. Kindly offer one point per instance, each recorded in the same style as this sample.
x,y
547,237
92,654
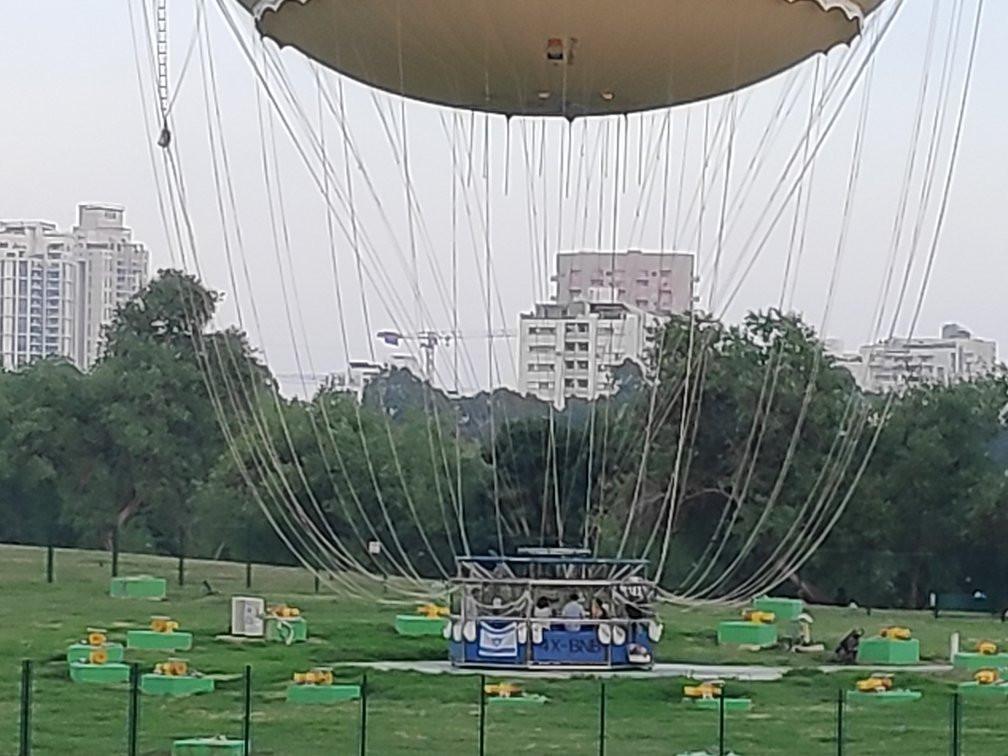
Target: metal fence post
x,y
133,713
181,556
721,724
482,716
362,738
602,719
841,700
24,748
247,721
50,571
115,551
248,555
956,724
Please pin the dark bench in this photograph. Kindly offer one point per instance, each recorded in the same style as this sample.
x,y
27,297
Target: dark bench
x,y
964,602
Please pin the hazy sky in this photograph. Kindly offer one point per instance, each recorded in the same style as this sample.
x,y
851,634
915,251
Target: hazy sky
x,y
72,130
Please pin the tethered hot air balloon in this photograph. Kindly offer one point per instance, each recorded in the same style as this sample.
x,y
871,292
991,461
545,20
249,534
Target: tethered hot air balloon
x,y
560,57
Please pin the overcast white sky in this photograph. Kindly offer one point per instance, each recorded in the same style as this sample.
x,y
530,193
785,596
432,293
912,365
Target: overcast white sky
x,y
71,130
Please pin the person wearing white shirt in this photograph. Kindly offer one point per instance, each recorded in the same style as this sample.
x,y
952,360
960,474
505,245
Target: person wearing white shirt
x,y
573,609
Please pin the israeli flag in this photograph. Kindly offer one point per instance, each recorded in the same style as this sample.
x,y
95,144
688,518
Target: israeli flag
x,y
499,642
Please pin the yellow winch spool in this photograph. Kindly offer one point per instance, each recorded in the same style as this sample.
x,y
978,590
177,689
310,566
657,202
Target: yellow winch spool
x,y
703,690
163,625
759,618
98,656
896,633
96,638
317,676
987,648
172,668
874,684
432,611
987,676
502,690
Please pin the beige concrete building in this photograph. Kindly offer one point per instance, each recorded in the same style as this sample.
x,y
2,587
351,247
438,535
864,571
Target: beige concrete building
x,y
896,363
659,282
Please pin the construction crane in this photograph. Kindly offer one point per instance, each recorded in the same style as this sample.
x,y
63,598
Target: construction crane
x,y
428,342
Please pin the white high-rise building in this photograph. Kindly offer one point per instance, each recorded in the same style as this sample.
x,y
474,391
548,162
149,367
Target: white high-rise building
x,y
570,350
58,288
39,292
113,268
660,282
896,363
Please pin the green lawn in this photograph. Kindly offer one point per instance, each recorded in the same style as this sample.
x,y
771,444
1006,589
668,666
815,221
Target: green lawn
x,y
409,713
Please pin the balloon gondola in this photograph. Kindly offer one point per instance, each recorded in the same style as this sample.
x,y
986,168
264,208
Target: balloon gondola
x,y
512,612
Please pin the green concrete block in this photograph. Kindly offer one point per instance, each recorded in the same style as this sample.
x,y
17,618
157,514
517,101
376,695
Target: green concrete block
x,y
99,673
208,747
976,689
419,625
973,662
311,694
286,630
878,650
170,685
153,641
528,698
81,652
746,634
714,704
138,586
785,609
888,696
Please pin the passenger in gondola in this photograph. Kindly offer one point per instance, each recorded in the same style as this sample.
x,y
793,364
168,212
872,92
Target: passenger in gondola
x,y
599,609
573,610
543,608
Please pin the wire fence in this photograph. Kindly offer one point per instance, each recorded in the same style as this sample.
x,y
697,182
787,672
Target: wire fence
x,y
182,572
582,716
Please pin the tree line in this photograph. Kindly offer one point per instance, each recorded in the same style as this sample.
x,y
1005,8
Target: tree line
x,y
740,456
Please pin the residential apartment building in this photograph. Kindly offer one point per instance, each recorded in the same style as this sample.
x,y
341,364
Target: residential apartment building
x,y
59,288
893,364
39,292
570,350
113,267
659,282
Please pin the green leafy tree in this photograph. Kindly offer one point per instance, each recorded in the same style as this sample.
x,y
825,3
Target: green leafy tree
x,y
159,393
929,513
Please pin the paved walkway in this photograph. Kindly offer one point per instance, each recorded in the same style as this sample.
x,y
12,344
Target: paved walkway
x,y
695,671
748,672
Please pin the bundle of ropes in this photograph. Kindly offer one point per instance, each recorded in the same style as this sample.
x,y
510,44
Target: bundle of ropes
x,y
398,185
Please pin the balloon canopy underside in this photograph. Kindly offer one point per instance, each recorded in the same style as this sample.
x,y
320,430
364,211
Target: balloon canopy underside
x,y
560,57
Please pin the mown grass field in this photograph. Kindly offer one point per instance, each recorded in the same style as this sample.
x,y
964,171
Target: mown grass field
x,y
411,713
